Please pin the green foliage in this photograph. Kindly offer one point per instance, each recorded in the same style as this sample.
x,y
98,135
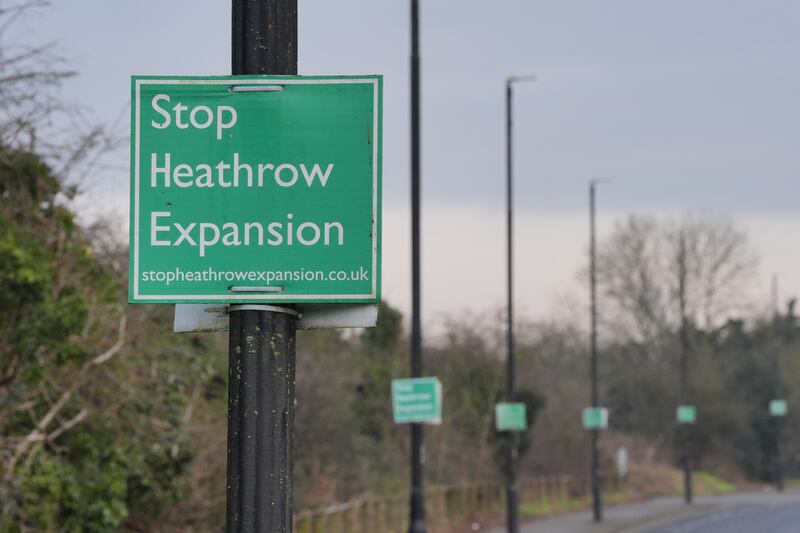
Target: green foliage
x,y
733,376
92,487
118,448
534,403
82,494
28,189
23,276
48,274
388,330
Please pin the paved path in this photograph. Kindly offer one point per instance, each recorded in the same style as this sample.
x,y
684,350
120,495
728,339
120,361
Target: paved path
x,y
756,513
739,513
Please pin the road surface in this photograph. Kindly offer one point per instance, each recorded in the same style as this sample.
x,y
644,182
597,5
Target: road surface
x,y
765,512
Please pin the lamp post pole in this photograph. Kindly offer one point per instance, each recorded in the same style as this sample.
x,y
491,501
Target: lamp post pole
x,y
261,391
778,388
512,438
417,497
597,479
686,453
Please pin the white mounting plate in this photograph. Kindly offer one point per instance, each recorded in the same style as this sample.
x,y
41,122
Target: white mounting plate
x,y
214,317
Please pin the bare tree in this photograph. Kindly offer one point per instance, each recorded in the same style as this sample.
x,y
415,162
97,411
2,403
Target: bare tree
x,y
33,115
630,274
638,273
720,266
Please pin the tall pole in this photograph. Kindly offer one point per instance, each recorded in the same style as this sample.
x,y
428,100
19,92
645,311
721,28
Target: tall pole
x,y
597,479
262,342
686,453
417,503
778,394
511,436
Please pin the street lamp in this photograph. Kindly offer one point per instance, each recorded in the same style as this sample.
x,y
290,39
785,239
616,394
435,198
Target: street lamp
x,y
417,496
685,393
511,436
597,474
776,414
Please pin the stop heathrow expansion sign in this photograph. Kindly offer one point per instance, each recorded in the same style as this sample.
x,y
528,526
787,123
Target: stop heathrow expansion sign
x,y
255,189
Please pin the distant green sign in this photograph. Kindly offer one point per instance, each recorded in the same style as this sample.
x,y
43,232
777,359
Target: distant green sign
x,y
255,189
778,408
595,418
686,414
417,400
510,416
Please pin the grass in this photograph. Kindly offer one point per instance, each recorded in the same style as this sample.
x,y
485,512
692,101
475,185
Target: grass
x,y
705,483
793,484
547,508
558,506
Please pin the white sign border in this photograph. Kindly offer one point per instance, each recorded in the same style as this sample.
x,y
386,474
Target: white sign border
x,y
138,298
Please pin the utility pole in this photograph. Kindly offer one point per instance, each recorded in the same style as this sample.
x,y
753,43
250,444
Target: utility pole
x,y
262,338
597,474
778,394
686,452
417,500
512,505
512,437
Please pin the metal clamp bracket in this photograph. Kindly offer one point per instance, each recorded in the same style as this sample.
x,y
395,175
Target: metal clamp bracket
x,y
252,288
262,307
256,88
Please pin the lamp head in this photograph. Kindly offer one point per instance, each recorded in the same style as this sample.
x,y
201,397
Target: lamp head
x,y
598,181
521,78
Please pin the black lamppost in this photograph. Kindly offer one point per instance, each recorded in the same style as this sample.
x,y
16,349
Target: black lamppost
x,y
597,474
685,392
511,436
777,418
417,497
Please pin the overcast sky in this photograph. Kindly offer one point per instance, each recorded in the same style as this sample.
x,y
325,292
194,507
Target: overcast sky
x,y
686,104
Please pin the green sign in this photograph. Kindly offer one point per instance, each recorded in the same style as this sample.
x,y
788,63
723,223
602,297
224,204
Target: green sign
x,y
255,189
417,400
778,408
510,416
595,418
686,414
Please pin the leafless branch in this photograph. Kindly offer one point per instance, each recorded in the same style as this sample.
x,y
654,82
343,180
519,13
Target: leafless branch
x,y
111,352
69,424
